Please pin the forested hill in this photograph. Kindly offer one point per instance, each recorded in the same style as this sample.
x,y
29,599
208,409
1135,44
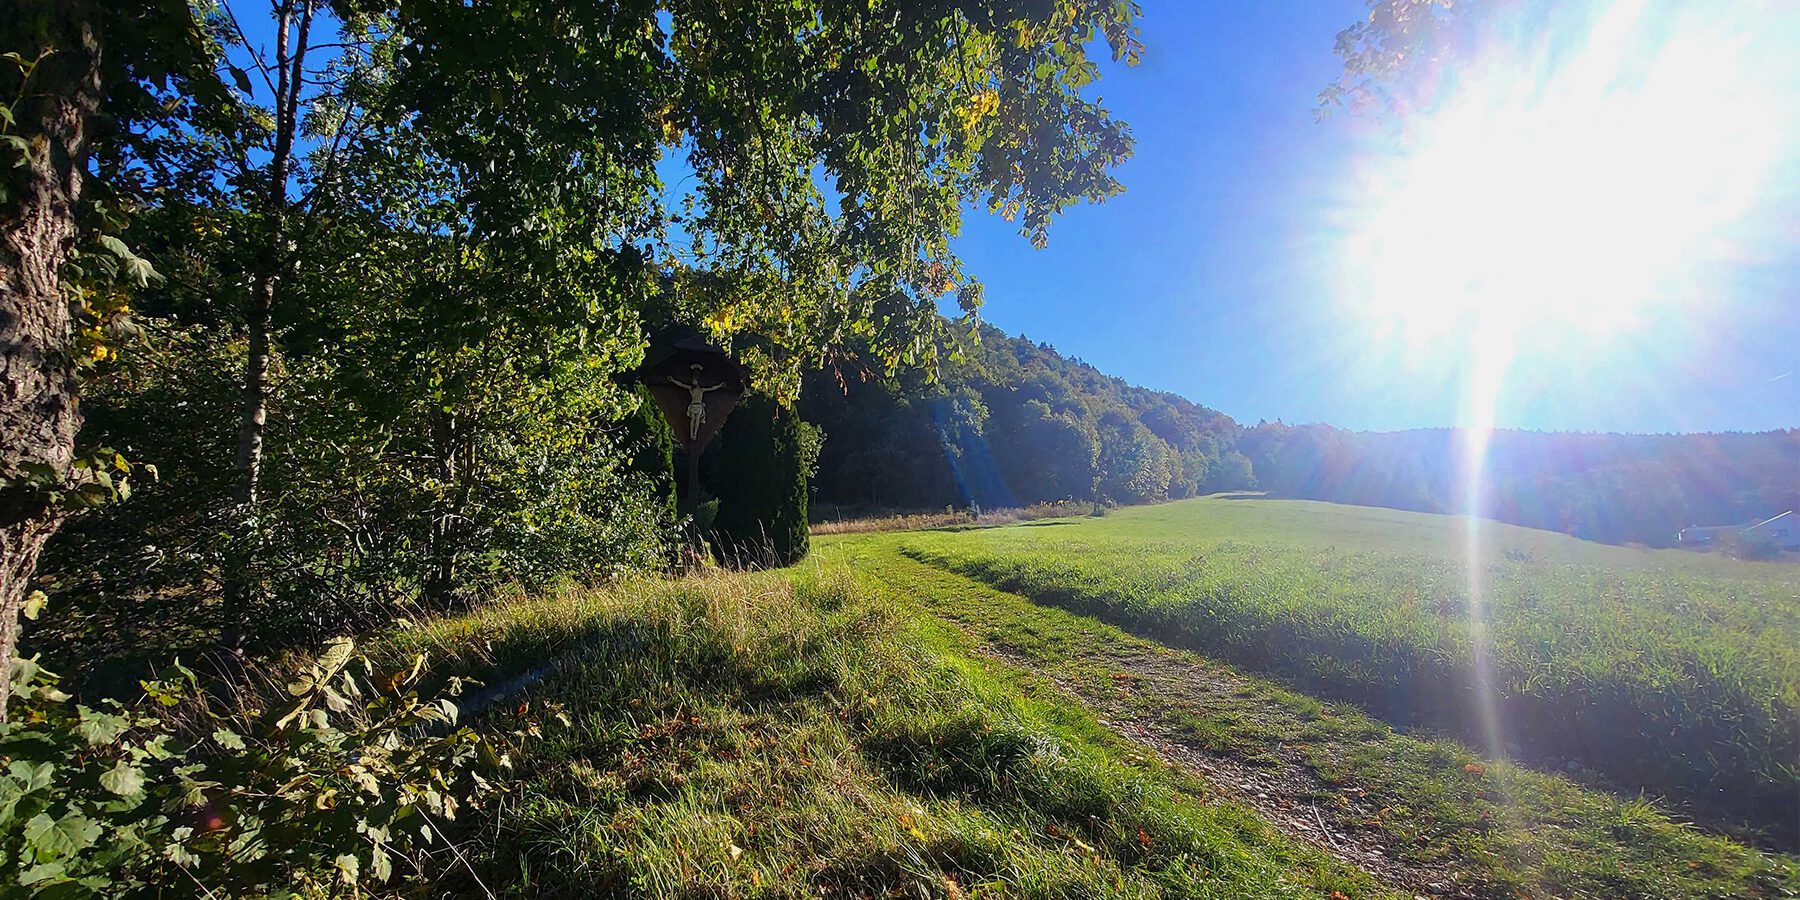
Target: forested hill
x,y
1617,488
1012,422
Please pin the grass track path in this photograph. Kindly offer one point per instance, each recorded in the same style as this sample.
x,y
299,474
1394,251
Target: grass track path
x,y
1427,817
1146,674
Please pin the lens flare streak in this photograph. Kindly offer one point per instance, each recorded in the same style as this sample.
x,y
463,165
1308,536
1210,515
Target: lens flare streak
x,y
1572,186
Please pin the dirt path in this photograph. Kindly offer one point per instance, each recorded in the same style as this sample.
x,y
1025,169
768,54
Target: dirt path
x,y
1152,695
1280,786
1430,817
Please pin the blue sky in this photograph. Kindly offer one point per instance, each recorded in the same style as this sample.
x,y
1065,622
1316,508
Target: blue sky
x,y
1213,275
1219,274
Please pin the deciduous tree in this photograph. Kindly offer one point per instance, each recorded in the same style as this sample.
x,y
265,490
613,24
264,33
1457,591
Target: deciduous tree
x,y
75,73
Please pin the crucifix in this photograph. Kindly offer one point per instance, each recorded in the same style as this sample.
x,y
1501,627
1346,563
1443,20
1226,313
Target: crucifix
x,y
696,409
694,382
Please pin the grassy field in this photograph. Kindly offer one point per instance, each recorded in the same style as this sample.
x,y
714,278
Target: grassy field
x,y
867,725
1429,816
803,735
840,521
1668,671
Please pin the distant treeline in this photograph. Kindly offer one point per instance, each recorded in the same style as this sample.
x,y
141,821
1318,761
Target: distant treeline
x,y
1012,422
1617,488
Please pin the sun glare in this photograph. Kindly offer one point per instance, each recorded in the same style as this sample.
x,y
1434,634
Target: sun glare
x,y
1574,184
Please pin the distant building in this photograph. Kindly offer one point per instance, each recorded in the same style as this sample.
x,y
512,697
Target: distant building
x,y
1782,530
1705,535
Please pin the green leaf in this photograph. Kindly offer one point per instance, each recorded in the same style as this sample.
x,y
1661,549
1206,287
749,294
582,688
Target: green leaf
x,y
137,268
229,740
123,779
43,873
31,778
116,247
140,271
34,604
334,700
157,747
348,867
52,839
101,729
180,855
336,654
289,712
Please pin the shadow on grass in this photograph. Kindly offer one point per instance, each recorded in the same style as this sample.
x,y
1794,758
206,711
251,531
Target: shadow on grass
x,y
1705,771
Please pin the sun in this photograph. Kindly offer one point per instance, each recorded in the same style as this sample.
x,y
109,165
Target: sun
x,y
1568,187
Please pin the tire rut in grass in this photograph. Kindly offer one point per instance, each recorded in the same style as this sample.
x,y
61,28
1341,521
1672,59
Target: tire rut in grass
x,y
1428,815
1276,783
1278,786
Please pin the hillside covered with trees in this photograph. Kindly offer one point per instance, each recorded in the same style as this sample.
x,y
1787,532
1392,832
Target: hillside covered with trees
x,y
1616,488
1011,422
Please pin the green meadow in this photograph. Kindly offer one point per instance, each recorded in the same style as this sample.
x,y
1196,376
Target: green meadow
x,y
806,734
868,725
1212,699
1667,672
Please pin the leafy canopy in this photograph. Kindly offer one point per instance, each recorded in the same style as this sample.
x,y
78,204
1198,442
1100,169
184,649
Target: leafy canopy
x,y
826,150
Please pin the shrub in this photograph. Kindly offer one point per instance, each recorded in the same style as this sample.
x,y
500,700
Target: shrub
x,y
381,489
346,774
762,489
1752,546
651,444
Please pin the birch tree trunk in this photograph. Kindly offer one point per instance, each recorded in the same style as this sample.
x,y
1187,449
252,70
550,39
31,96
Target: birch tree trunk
x,y
241,577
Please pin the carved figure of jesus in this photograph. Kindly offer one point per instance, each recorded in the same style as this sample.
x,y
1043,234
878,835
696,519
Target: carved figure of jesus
x,y
696,411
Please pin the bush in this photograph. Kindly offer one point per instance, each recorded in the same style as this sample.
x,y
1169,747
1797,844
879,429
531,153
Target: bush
x,y
383,487
764,453
651,444
326,784
1752,546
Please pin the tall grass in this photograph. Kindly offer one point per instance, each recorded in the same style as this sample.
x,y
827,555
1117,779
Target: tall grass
x,y
1669,672
1490,828
868,522
784,735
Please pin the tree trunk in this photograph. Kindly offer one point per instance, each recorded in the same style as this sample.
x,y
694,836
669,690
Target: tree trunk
x,y
447,438
39,409
241,577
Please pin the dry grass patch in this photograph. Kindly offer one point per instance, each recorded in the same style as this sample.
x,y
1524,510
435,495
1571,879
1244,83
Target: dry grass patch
x,y
858,523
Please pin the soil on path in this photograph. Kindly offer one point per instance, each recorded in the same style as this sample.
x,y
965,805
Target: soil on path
x,y
1278,783
1427,816
1154,695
